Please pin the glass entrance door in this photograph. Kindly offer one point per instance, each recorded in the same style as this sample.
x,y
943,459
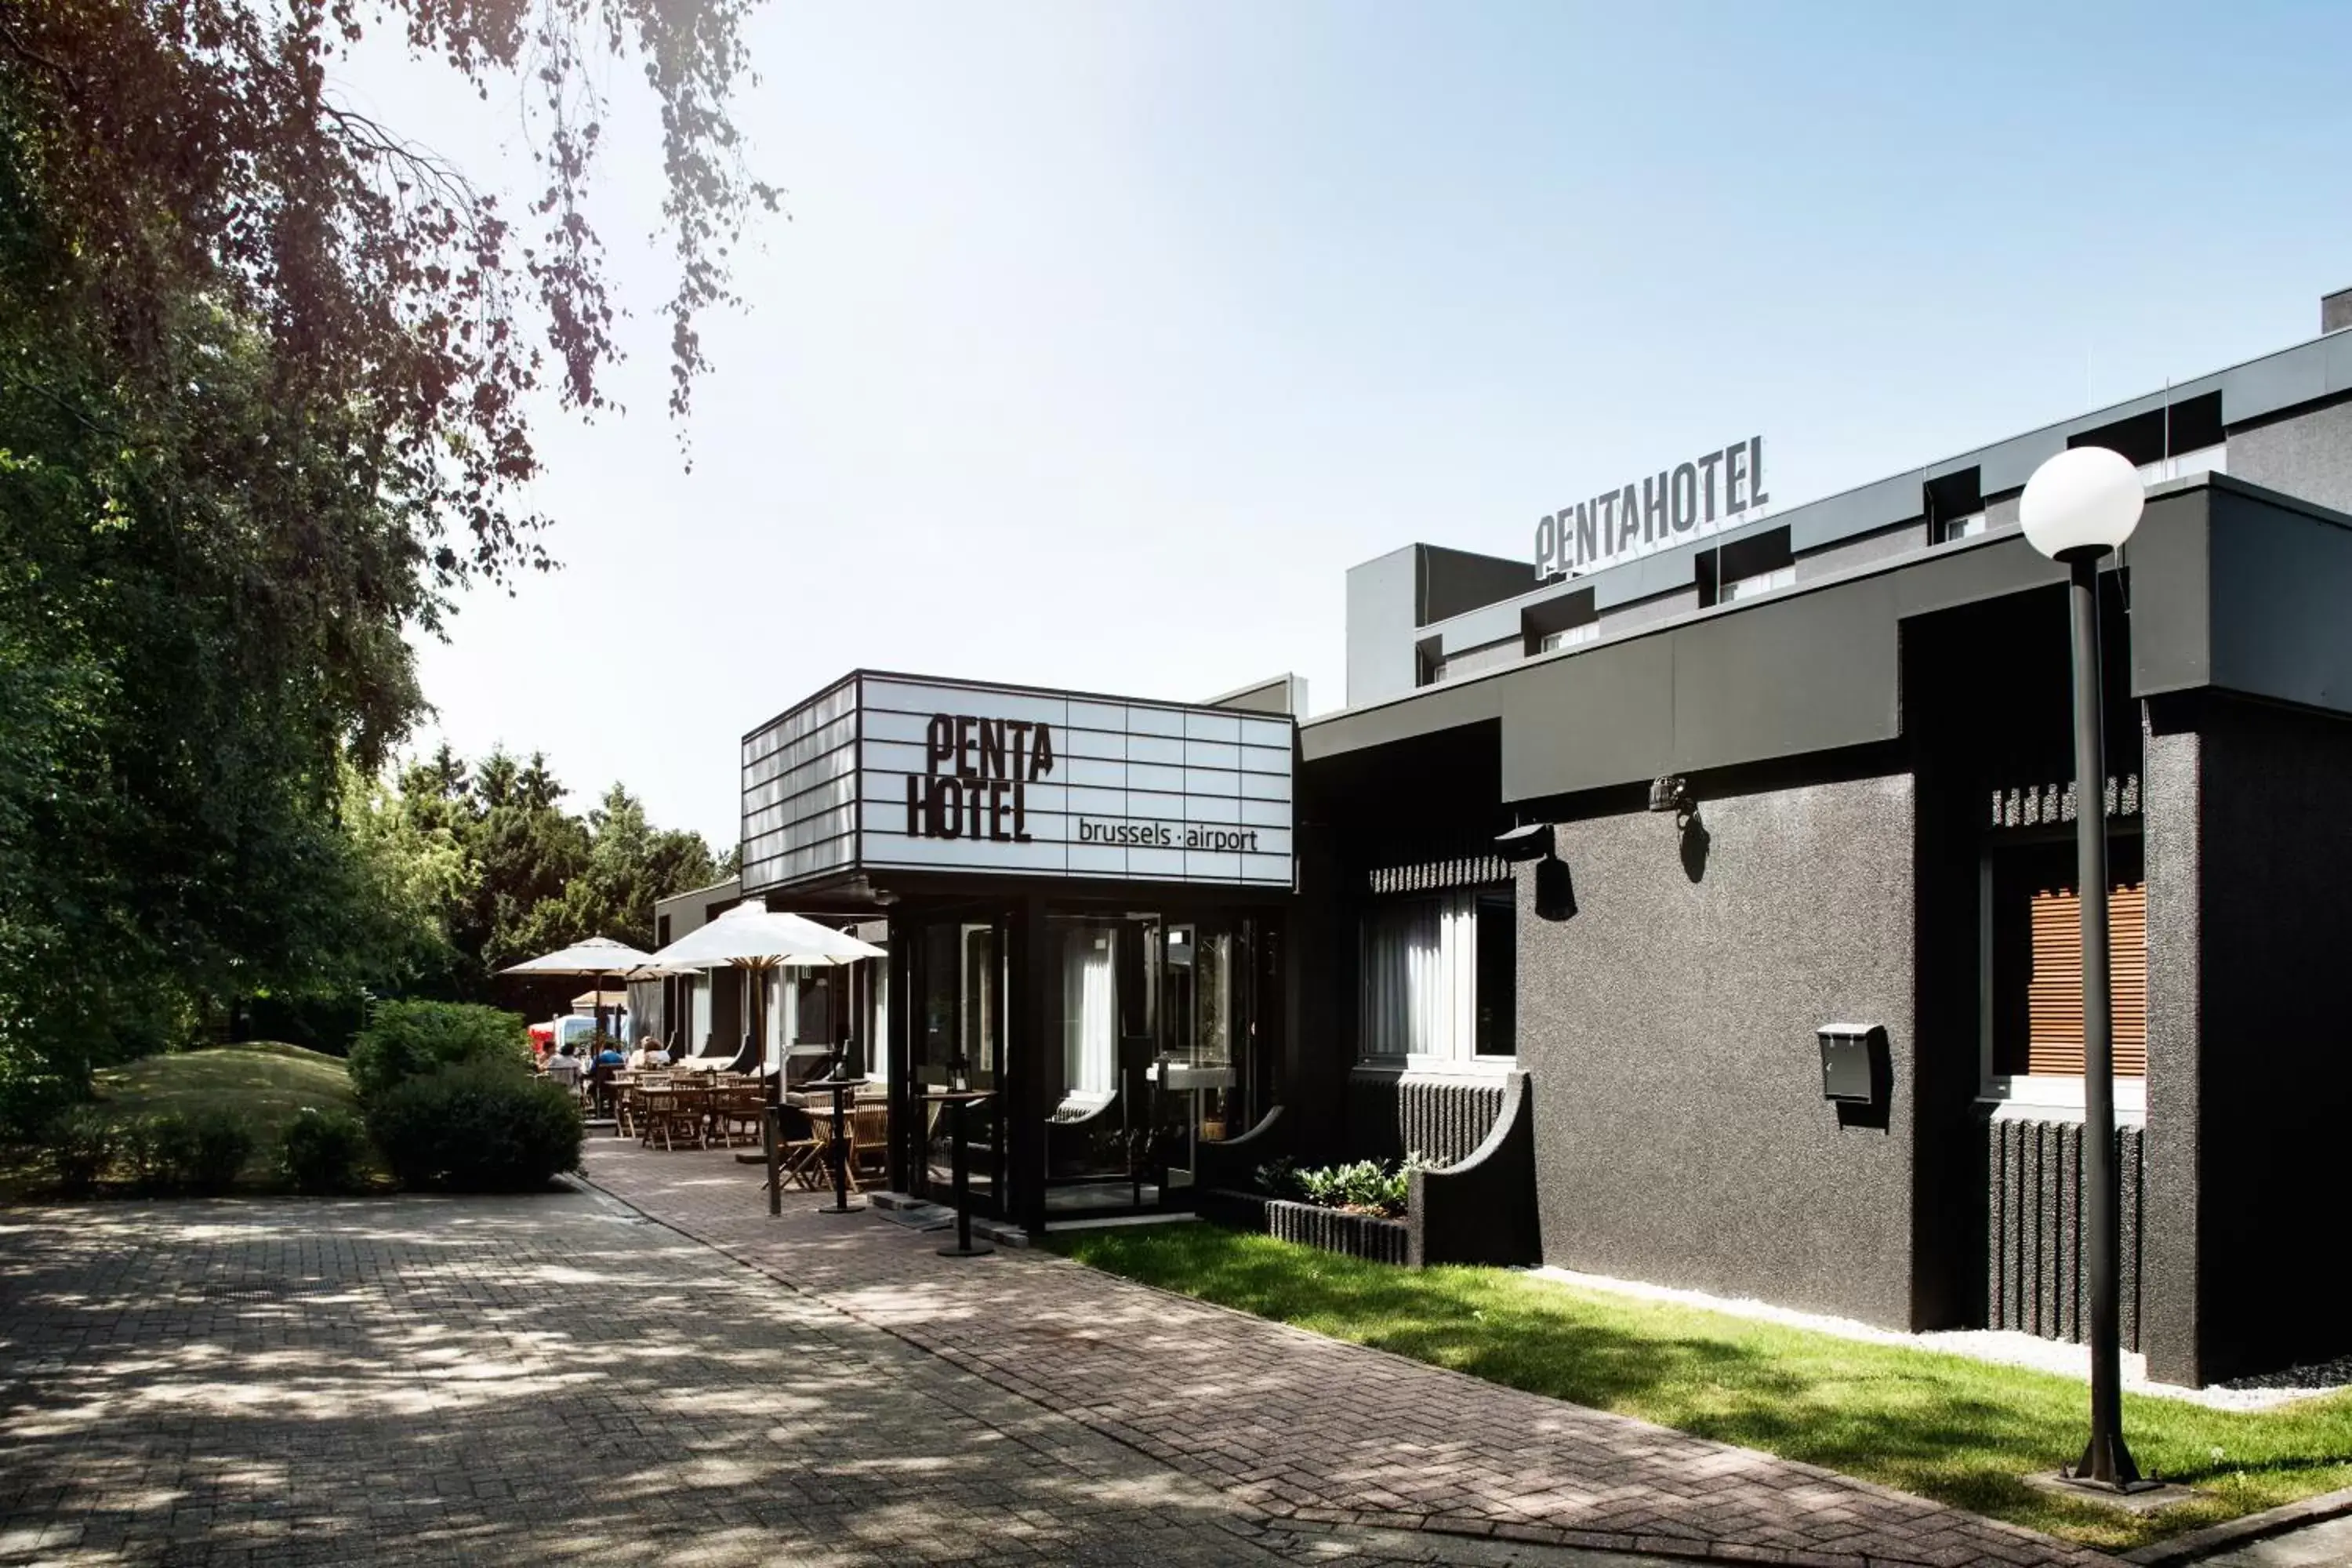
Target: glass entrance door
x,y
960,1019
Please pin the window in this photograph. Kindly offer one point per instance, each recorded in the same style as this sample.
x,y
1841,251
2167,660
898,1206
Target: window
x,y
1954,505
1439,979
2168,443
1745,567
1589,632
2033,977
2054,1039
1498,975
1561,621
1761,582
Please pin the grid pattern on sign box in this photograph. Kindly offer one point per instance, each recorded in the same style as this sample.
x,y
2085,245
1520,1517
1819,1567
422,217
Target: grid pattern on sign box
x,y
1120,768
799,789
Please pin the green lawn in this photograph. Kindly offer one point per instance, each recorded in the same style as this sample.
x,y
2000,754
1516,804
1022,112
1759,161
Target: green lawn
x,y
264,1082
1940,1425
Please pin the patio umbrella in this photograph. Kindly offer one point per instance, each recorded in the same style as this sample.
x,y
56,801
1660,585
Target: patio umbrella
x,y
598,958
754,939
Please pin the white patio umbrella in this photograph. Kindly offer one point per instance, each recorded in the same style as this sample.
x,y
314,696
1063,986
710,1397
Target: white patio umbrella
x,y
597,958
754,939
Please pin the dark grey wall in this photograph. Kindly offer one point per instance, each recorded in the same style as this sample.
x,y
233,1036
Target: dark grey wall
x,y
2034,1280
1391,1115
2276,1086
2171,1207
1681,1136
2308,455
1454,581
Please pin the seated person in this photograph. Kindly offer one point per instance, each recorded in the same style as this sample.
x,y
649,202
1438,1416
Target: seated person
x,y
648,1054
564,1066
611,1056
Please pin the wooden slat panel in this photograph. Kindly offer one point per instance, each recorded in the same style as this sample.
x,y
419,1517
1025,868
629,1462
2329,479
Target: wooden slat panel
x,y
2054,995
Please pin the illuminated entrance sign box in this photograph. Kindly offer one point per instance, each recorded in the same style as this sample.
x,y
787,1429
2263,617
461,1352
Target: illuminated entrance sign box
x,y
905,773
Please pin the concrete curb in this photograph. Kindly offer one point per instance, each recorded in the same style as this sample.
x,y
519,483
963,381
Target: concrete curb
x,y
2218,1538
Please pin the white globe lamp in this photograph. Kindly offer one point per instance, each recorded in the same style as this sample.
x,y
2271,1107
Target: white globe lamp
x,y
2084,501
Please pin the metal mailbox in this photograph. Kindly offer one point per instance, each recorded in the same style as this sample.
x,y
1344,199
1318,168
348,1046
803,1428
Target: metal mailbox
x,y
1848,1071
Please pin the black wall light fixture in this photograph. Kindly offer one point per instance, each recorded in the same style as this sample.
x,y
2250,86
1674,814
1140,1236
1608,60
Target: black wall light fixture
x,y
1555,893
1532,842
1672,792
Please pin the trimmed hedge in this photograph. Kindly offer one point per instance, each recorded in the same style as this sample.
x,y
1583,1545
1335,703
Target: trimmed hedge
x,y
482,1128
406,1040
323,1152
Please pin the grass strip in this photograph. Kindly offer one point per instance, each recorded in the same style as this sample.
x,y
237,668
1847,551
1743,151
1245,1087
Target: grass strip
x,y
1940,1425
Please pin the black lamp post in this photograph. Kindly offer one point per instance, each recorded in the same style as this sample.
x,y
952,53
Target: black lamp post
x,y
2079,506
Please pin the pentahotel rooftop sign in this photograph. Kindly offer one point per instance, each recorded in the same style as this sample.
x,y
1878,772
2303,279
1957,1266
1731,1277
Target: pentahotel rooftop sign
x,y
1673,506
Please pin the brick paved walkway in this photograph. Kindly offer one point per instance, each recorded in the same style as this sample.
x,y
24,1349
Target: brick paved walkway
x,y
1300,1426
544,1380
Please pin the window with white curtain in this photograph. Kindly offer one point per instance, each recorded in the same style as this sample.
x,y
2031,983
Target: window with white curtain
x,y
1089,1017
1419,970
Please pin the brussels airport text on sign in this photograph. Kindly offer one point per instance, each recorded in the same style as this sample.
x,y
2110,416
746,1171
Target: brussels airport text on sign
x,y
890,772
1673,506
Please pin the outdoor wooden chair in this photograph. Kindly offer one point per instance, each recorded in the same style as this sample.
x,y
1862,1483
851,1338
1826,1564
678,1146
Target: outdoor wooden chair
x,y
736,1109
691,1112
800,1151
869,1138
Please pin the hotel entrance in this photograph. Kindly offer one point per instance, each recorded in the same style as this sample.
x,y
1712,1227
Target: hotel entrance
x,y
1114,1044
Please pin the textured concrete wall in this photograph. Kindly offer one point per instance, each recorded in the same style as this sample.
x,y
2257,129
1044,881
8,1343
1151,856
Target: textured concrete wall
x,y
2034,1280
2308,456
2276,1075
1391,1114
1681,1136
1851,553
2171,1297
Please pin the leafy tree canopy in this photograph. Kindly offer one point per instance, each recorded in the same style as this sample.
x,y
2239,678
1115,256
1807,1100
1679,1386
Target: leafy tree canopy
x,y
267,372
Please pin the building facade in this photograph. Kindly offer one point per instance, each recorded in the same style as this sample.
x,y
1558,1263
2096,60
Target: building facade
x,y
1815,770
1702,884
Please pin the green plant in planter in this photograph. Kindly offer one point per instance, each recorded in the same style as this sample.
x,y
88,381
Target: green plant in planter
x,y
1366,1186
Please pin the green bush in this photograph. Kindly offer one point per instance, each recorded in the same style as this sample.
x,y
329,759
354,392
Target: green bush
x,y
203,1151
82,1144
407,1040
476,1128
219,1142
323,1152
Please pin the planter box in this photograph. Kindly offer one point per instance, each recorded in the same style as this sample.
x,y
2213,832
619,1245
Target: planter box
x,y
1331,1230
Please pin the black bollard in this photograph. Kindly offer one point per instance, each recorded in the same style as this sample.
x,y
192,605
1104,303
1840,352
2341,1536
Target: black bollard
x,y
958,1163
837,1147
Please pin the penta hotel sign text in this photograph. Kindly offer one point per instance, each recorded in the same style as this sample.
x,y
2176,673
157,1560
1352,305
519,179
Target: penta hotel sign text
x,y
896,771
1673,506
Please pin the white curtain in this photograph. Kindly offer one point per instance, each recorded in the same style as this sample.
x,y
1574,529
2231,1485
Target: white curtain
x,y
1421,978
1089,1017
698,1020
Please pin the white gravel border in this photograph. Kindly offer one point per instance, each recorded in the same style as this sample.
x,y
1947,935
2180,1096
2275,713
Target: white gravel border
x,y
2006,1347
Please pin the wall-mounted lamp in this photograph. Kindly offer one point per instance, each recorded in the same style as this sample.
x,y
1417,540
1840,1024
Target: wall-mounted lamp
x,y
1555,894
1532,842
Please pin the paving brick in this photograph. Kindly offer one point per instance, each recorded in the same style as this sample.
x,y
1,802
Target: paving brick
x,y
1367,1435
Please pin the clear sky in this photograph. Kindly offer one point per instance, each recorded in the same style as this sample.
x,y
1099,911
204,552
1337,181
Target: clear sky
x,y
1104,337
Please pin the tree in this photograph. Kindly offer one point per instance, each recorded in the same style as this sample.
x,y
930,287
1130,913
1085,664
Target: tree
x,y
534,877
267,372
